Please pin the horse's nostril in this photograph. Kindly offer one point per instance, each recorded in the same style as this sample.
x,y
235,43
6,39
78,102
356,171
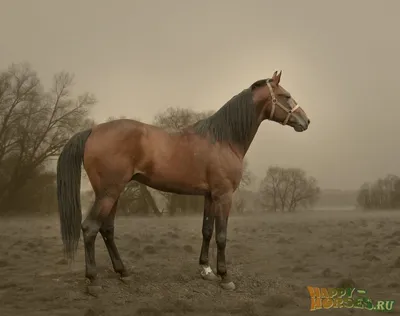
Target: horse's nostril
x,y
309,121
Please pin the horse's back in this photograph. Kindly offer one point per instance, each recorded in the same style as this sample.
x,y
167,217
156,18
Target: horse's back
x,y
142,148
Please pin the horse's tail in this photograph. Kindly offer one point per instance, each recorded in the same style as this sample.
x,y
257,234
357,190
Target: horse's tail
x,y
69,166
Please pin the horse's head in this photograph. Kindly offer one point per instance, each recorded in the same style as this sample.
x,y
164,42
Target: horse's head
x,y
277,103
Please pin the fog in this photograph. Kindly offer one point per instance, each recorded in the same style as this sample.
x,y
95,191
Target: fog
x,y
339,60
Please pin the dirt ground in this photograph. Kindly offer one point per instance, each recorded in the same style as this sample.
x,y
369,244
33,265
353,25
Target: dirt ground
x,y
272,259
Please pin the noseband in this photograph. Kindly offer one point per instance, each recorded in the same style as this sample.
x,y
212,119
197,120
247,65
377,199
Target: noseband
x,y
275,102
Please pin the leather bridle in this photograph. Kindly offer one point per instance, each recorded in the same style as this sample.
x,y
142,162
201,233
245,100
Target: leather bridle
x,y
275,102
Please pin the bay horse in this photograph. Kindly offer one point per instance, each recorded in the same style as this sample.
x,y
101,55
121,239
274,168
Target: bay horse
x,y
205,159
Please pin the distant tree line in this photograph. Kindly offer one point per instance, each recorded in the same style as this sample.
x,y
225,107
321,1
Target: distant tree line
x,y
35,124
381,194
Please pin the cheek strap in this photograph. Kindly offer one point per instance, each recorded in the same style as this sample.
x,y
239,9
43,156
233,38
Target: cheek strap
x,y
275,102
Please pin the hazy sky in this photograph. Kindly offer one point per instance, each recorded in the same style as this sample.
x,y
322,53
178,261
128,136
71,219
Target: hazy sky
x,y
340,60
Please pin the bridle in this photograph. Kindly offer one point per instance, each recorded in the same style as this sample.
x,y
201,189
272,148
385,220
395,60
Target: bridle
x,y
275,102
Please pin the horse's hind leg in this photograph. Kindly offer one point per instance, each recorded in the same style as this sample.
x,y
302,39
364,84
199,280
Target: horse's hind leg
x,y
90,227
107,232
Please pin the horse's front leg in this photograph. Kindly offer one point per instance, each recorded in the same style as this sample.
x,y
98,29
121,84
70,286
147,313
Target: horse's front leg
x,y
207,231
221,205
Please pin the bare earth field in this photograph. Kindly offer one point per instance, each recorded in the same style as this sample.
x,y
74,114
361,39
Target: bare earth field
x,y
272,259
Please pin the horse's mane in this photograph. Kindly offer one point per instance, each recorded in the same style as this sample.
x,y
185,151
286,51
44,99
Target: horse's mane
x,y
259,83
234,123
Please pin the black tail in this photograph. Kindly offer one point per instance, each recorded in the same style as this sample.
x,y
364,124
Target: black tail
x,y
69,166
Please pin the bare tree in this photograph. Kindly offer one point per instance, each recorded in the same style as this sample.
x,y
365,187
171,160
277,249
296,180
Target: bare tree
x,y
174,118
287,189
35,124
364,196
247,176
132,201
384,193
269,189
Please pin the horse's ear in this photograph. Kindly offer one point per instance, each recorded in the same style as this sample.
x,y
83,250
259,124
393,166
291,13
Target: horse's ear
x,y
276,77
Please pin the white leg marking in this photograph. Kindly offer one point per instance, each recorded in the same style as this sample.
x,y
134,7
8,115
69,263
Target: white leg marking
x,y
207,270
207,273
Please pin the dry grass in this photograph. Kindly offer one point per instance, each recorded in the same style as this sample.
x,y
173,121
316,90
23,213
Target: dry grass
x,y
272,260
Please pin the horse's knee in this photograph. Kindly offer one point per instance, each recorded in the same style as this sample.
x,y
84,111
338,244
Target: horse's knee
x,y
207,232
220,239
89,230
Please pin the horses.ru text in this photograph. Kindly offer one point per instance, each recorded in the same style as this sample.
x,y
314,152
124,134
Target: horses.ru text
x,y
327,298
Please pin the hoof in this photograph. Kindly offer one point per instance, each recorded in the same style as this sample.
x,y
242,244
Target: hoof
x,y
208,274
127,279
94,290
229,286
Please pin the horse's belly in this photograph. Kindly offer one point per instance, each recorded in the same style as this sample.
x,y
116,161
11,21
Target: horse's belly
x,y
171,184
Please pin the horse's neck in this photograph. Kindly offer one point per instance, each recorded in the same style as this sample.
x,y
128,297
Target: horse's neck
x,y
252,134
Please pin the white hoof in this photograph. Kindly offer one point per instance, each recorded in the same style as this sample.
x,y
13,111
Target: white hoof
x,y
208,274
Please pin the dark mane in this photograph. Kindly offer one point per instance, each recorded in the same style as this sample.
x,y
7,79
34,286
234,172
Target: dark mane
x,y
259,83
234,123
